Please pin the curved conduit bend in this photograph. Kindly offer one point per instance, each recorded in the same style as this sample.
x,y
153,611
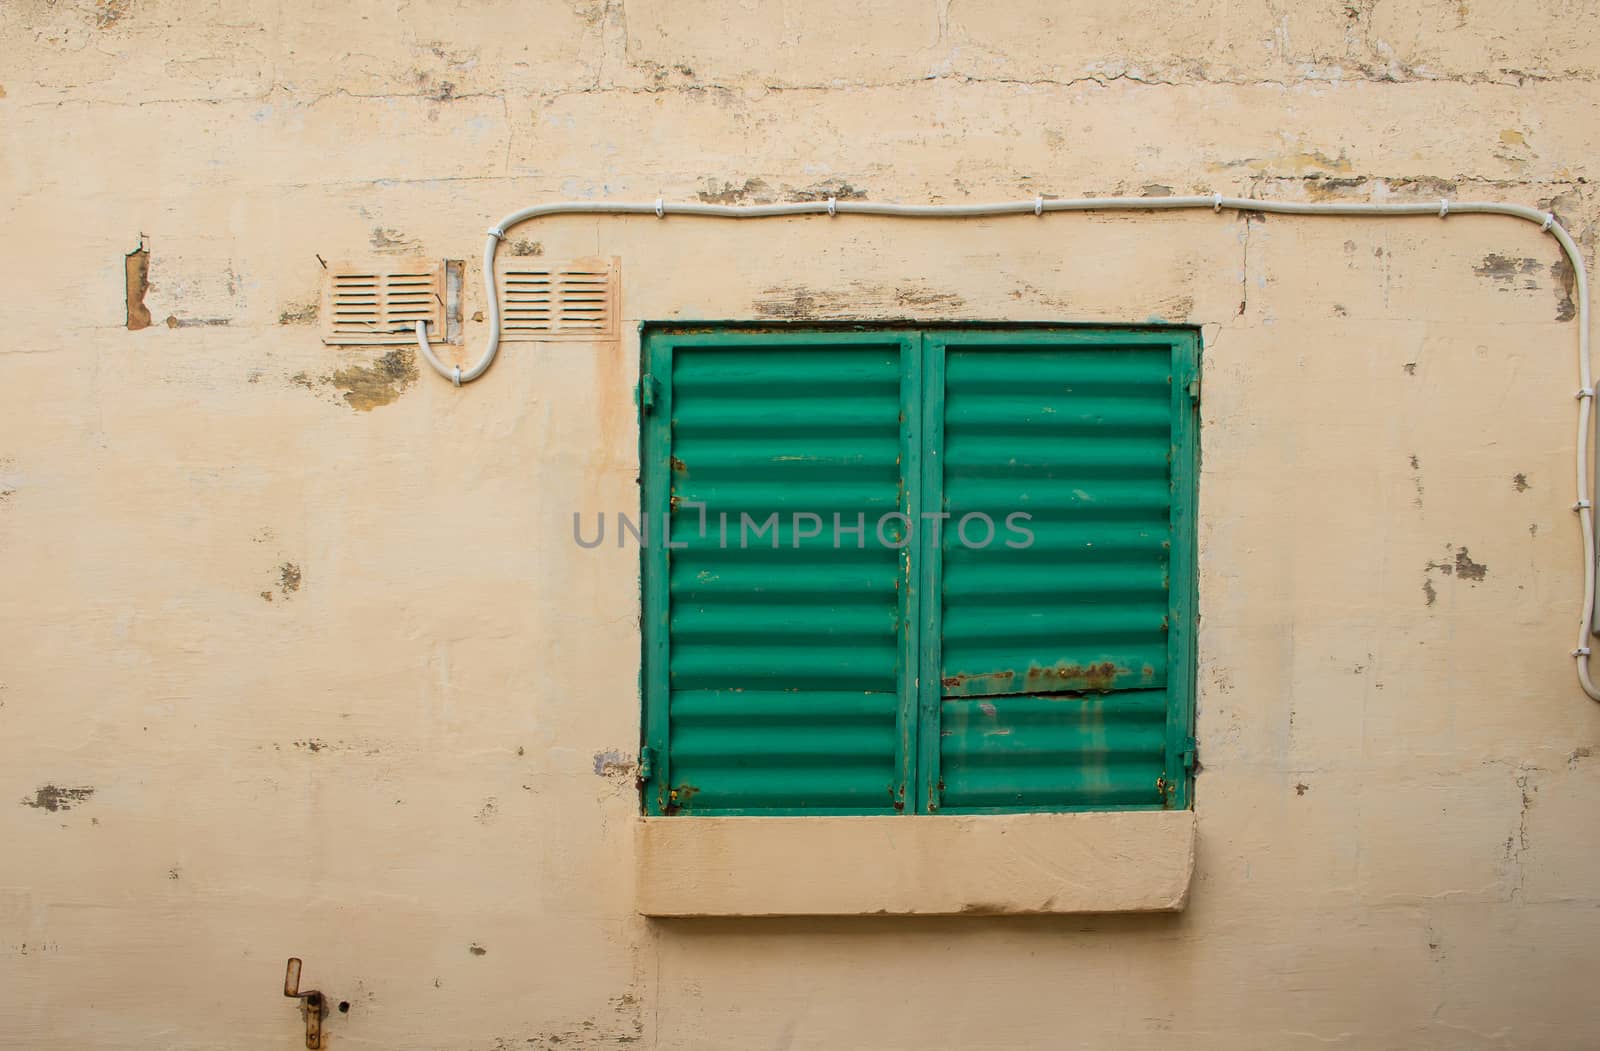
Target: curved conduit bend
x,y
1038,207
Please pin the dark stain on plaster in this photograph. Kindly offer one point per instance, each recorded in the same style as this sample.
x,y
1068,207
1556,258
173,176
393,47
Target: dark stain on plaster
x,y
55,798
368,386
289,578
1519,482
477,950
136,269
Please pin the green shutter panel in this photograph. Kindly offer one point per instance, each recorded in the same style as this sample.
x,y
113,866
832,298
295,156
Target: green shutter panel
x,y
1062,677
774,674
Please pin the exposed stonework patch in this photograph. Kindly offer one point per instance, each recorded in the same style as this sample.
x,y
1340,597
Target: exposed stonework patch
x,y
368,386
54,798
136,268
525,247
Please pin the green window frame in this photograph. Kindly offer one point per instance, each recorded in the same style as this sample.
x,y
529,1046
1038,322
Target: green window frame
x,y
807,668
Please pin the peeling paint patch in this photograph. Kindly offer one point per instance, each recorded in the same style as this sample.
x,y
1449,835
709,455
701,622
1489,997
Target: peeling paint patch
x,y
1561,270
821,191
477,950
54,798
858,300
136,269
1509,273
613,764
1460,565
289,579
299,313
368,386
1467,569
525,247
755,190
173,321
108,13
388,239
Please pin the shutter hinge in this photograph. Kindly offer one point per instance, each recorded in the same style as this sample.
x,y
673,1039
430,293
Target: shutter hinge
x,y
1194,390
646,395
1190,753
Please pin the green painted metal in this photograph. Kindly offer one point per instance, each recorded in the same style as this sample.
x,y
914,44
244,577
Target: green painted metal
x,y
953,674
780,657
1057,656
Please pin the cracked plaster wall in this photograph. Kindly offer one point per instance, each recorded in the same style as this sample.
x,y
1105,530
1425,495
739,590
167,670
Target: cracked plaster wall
x,y
302,660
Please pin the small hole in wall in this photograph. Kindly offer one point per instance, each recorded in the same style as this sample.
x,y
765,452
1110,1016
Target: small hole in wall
x,y
344,1007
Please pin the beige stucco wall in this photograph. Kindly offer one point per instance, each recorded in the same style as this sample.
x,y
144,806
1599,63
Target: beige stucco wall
x,y
287,675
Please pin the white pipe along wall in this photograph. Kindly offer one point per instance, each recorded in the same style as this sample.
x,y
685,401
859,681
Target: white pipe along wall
x,y
660,208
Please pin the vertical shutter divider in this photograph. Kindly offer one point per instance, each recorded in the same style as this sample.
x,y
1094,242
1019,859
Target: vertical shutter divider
x,y
912,457
1181,564
928,565
655,446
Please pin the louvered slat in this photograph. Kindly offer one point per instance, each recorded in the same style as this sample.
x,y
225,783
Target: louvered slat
x,y
1054,659
785,672
574,301
379,304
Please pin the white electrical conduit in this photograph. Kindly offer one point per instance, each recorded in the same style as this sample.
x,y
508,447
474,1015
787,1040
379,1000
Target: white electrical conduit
x,y
1039,206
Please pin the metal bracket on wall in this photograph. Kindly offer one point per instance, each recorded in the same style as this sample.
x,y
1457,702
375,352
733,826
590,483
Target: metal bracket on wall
x,y
315,1005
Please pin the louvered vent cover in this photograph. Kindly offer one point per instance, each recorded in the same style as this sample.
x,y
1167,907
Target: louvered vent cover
x,y
380,302
577,300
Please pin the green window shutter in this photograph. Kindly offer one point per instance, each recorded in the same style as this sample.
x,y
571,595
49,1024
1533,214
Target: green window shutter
x,y
1062,678
955,674
774,675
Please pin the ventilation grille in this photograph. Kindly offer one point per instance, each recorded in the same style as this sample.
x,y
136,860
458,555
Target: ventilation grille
x,y
380,303
575,301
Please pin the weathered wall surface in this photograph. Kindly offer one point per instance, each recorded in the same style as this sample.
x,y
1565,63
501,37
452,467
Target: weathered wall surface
x,y
300,658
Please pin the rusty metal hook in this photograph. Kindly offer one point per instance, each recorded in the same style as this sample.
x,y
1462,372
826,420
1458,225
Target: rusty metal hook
x,y
315,1004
